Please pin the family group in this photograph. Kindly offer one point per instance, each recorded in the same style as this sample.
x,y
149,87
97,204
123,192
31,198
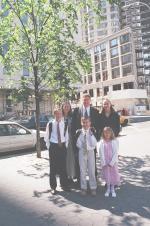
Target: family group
x,y
74,138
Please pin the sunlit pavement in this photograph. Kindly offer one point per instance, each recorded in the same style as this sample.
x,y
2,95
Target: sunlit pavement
x,y
25,198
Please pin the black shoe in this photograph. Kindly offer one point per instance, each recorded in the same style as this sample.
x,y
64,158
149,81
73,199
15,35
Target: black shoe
x,y
53,191
65,189
77,184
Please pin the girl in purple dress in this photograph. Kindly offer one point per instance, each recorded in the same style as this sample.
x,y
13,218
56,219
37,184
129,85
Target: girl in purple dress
x,y
109,156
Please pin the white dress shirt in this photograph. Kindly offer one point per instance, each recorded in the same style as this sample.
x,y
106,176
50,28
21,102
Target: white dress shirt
x,y
91,141
84,110
54,136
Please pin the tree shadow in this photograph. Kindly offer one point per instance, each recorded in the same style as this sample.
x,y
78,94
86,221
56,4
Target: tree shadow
x,y
36,170
132,196
13,213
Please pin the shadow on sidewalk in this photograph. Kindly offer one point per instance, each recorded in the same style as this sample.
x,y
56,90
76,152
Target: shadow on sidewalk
x,y
132,197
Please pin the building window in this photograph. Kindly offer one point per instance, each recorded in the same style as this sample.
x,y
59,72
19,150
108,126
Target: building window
x,y
114,52
125,38
90,79
117,87
114,23
98,77
91,92
104,65
102,25
97,67
91,20
106,90
139,55
91,35
98,92
140,63
96,58
127,70
114,42
97,49
116,73
8,102
103,46
91,27
113,8
115,62
102,32
126,59
126,48
103,56
114,15
105,75
128,85
114,30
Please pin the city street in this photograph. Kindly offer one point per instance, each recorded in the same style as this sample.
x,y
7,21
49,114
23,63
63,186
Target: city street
x,y
25,198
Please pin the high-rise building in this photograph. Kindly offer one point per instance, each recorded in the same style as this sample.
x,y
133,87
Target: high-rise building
x,y
119,48
136,15
92,29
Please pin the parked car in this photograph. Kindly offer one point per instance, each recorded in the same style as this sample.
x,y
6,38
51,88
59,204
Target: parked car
x,y
16,137
30,123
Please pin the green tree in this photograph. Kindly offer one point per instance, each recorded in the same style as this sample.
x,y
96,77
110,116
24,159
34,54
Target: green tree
x,y
39,35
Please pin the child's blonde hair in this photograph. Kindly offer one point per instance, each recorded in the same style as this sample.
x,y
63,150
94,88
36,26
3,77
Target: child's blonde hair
x,y
110,130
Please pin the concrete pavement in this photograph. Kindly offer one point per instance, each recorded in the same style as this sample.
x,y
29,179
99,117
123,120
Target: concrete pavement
x,y
25,198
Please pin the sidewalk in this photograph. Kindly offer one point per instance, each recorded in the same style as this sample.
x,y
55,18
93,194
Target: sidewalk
x,y
25,198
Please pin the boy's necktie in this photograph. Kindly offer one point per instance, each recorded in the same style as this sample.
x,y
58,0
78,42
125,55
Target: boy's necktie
x,y
85,144
58,135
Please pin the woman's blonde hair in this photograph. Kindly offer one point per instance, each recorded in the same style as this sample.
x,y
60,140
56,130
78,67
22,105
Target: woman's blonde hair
x,y
109,130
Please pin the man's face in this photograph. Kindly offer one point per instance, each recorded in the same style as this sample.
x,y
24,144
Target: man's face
x,y
86,101
106,105
86,124
58,115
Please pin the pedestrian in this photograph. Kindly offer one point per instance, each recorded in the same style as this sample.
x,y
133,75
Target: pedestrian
x,y
109,157
85,110
86,143
57,142
109,117
70,161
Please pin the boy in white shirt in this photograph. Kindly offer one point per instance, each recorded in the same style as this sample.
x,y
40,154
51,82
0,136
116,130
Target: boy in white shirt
x,y
56,141
86,143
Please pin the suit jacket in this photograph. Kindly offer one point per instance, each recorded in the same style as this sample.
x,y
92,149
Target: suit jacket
x,y
76,120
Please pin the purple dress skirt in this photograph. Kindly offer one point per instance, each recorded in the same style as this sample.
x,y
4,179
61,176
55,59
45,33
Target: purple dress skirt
x,y
110,174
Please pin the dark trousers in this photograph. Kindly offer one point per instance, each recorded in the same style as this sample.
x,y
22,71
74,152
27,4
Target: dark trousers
x,y
57,158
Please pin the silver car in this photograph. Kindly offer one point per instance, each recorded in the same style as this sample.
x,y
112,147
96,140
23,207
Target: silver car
x,y
16,137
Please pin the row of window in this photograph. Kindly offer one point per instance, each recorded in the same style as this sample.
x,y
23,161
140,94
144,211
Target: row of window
x,y
113,53
125,59
113,43
126,70
127,85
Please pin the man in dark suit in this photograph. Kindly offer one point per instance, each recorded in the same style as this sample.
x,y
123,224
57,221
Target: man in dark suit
x,y
86,110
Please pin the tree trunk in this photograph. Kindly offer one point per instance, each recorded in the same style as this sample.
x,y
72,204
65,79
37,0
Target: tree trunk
x,y
37,106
